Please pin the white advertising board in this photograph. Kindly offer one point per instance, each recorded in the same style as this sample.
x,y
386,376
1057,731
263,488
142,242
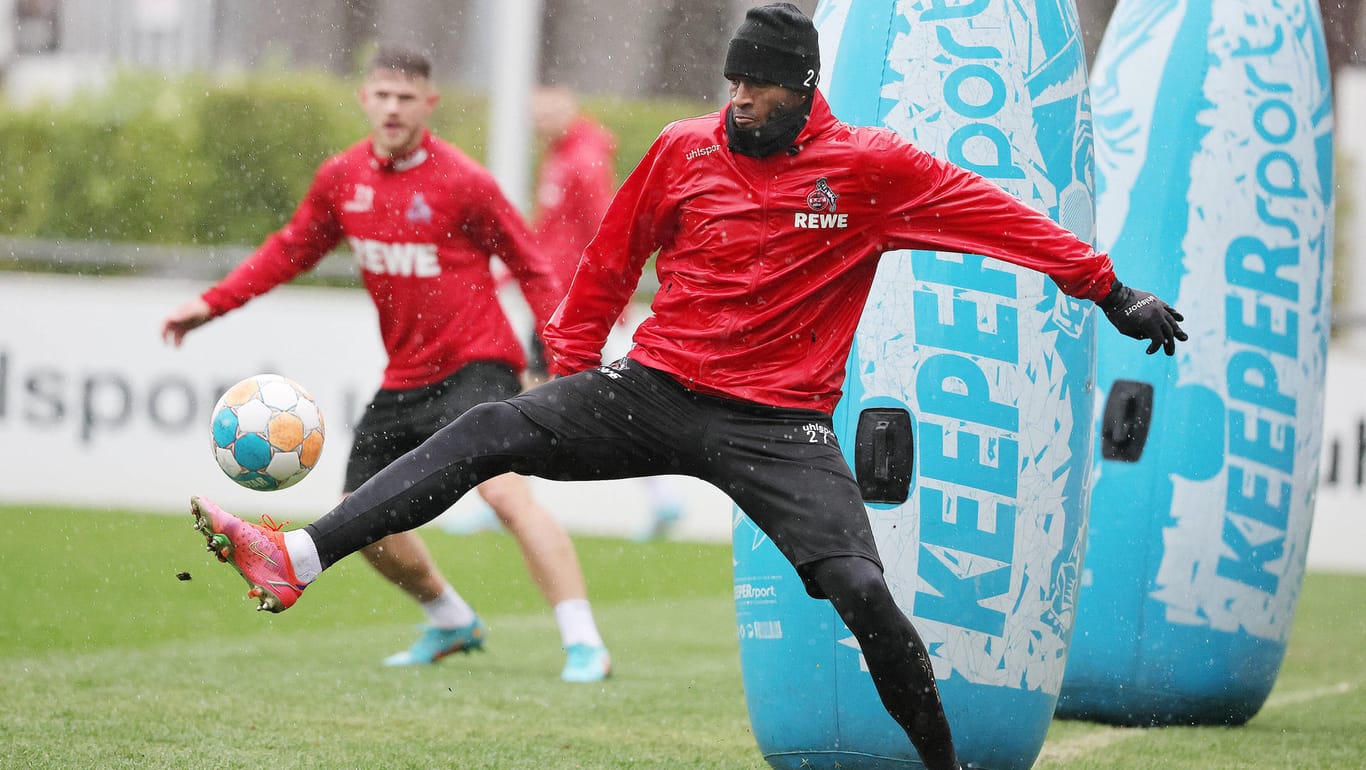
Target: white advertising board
x,y
96,411
1337,541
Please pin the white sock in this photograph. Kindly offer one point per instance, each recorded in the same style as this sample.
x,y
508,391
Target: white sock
x,y
303,555
449,610
576,623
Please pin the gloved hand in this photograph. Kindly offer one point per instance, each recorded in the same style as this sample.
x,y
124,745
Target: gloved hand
x,y
1143,316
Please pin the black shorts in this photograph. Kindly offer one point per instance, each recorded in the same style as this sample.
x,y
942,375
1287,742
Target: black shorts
x,y
396,421
782,467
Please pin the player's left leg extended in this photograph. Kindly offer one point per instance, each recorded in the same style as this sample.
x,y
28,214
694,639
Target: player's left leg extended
x,y
487,441
554,567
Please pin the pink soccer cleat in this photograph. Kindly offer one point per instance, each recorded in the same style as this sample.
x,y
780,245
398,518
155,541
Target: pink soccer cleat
x,y
257,551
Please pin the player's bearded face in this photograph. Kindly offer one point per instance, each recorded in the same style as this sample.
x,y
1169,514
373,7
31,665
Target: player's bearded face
x,y
398,106
754,103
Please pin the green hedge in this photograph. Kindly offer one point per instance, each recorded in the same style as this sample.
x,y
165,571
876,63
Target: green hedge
x,y
201,161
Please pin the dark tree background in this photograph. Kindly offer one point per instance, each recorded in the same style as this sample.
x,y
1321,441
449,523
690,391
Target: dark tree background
x,y
1341,27
1341,23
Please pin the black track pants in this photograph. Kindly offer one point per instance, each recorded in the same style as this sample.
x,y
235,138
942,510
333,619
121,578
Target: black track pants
x,y
488,440
783,467
897,658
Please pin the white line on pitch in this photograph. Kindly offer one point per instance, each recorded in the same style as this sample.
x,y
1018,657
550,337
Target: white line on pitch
x,y
1305,696
1080,746
1103,738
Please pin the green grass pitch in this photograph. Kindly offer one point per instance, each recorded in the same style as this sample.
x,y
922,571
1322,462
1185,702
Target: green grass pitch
x,y
107,660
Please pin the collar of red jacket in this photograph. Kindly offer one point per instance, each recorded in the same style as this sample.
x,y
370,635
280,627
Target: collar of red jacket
x,y
820,120
411,160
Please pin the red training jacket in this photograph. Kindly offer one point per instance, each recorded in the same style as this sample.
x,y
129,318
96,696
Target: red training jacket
x,y
575,185
764,264
422,229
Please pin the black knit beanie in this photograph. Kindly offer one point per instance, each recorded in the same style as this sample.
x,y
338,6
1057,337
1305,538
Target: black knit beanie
x,y
776,43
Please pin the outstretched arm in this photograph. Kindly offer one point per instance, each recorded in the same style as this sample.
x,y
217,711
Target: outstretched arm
x,y
191,315
950,208
609,270
295,248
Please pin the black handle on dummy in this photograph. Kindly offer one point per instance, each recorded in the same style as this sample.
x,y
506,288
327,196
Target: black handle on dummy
x,y
884,455
1128,416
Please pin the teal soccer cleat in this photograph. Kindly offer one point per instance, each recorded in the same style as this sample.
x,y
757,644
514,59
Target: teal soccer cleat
x,y
436,643
662,521
586,663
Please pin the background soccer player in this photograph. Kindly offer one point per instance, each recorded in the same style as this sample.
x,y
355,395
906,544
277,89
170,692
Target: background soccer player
x,y
423,221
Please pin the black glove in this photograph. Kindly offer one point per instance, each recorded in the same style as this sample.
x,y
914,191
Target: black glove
x,y
1143,316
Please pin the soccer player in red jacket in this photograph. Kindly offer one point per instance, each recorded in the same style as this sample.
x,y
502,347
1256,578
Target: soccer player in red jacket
x,y
423,220
762,282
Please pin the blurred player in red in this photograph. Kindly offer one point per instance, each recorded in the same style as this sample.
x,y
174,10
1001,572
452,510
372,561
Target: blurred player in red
x,y
576,179
423,221
574,184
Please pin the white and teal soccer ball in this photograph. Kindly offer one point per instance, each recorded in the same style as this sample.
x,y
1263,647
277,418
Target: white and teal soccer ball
x,y
267,432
